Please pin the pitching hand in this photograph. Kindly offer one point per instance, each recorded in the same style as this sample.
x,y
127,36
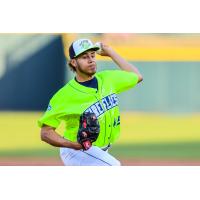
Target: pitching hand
x,y
105,50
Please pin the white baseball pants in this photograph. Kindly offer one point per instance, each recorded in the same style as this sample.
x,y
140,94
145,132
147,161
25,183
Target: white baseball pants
x,y
94,156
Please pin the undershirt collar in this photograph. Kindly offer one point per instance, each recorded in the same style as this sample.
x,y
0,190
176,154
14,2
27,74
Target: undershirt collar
x,y
93,83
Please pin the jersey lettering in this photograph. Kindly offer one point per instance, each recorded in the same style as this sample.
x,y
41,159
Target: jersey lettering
x,y
108,102
94,109
105,103
99,107
114,99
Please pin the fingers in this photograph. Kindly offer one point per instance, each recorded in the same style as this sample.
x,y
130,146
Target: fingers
x,y
104,50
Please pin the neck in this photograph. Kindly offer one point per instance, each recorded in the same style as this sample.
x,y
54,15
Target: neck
x,y
83,78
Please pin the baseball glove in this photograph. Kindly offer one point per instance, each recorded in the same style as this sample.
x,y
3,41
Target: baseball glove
x,y
88,130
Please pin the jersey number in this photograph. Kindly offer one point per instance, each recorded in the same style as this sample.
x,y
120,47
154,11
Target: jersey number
x,y
116,121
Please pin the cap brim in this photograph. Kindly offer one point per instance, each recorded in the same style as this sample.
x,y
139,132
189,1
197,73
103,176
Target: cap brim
x,y
95,48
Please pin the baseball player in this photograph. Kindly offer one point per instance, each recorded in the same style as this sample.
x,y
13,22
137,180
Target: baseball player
x,y
88,105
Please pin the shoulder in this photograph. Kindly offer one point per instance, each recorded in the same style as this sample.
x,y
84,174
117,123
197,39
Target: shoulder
x,y
63,92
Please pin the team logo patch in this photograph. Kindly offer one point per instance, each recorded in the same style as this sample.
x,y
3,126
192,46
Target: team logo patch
x,y
49,107
103,105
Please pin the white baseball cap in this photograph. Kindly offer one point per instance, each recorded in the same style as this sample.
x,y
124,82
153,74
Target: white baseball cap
x,y
80,46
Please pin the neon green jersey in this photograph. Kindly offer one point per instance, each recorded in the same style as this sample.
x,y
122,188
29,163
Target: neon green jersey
x,y
74,99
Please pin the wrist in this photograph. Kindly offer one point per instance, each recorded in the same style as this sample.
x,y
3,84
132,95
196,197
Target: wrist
x,y
72,145
76,146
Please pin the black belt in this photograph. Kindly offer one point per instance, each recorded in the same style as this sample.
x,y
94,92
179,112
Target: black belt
x,y
106,148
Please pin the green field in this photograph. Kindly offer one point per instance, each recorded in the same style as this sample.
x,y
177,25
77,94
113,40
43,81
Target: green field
x,y
142,136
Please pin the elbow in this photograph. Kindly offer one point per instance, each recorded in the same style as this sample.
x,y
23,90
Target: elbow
x,y
44,135
140,78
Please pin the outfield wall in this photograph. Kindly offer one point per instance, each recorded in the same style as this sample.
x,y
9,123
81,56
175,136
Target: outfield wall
x,y
167,87
34,71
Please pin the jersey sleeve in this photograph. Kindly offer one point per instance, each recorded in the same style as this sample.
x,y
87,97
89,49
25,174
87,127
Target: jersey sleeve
x,y
54,113
121,80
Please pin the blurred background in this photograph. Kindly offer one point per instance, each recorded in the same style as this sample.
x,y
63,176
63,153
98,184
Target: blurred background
x,y
160,116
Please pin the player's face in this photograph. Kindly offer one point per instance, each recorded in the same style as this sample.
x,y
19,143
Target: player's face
x,y
86,63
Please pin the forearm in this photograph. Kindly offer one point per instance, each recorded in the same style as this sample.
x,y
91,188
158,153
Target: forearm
x,y
124,65
50,136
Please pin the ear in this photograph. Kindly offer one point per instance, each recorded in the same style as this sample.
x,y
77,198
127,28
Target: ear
x,y
73,63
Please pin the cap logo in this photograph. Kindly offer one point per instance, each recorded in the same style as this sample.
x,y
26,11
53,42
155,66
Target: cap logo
x,y
84,44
